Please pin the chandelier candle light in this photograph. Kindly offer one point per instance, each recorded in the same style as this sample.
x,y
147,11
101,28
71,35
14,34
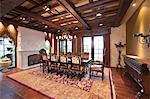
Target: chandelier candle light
x,y
66,36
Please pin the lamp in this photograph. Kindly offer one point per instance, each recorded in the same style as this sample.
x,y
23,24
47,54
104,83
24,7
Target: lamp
x,y
119,47
66,36
144,39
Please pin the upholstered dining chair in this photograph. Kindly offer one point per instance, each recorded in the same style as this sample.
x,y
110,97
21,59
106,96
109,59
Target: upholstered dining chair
x,y
64,65
77,69
98,66
45,62
41,53
53,64
85,55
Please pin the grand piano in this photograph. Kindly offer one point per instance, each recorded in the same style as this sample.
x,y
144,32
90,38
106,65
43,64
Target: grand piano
x,y
139,70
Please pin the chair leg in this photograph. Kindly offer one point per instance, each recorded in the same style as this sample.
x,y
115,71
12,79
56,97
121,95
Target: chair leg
x,y
43,68
48,69
102,76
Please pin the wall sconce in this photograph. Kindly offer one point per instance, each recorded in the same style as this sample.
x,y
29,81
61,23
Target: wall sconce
x,y
144,39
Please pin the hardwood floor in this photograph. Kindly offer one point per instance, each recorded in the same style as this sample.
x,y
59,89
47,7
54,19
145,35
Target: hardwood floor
x,y
125,87
10,89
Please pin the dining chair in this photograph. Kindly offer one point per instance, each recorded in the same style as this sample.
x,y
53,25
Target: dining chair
x,y
98,66
77,69
85,55
64,65
45,62
53,64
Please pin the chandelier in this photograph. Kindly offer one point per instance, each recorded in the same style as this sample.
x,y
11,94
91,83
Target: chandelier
x,y
66,36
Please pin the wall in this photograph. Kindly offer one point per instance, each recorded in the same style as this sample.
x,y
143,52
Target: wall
x,y
118,34
139,23
29,42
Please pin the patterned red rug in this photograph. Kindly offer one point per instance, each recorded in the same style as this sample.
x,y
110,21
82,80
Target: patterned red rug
x,y
85,84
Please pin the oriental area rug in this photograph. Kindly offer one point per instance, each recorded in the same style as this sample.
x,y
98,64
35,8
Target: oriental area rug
x,y
57,87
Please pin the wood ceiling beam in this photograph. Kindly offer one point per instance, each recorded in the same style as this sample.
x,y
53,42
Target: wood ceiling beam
x,y
64,13
103,11
71,9
65,20
124,5
94,4
98,31
91,1
37,17
33,2
7,5
41,5
6,20
97,20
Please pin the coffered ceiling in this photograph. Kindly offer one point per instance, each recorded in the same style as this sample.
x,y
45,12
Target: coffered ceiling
x,y
64,15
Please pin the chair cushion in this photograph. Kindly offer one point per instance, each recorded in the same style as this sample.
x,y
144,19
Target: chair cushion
x,y
96,68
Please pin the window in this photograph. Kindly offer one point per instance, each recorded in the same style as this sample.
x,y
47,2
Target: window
x,y
69,46
62,46
98,48
95,52
87,41
65,46
7,48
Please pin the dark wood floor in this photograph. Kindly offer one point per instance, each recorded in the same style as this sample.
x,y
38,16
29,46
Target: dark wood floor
x,y
125,87
10,89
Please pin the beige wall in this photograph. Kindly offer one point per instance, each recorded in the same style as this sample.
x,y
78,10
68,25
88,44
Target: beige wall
x,y
118,34
139,23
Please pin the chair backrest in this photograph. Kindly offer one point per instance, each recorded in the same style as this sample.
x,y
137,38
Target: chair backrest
x,y
85,55
42,52
63,58
76,60
44,57
53,58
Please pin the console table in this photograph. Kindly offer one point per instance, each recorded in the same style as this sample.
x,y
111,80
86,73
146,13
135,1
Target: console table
x,y
139,70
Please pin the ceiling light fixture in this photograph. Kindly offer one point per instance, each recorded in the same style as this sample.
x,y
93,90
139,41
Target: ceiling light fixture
x,y
98,14
134,4
100,24
46,8
69,22
45,26
23,19
58,30
76,28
